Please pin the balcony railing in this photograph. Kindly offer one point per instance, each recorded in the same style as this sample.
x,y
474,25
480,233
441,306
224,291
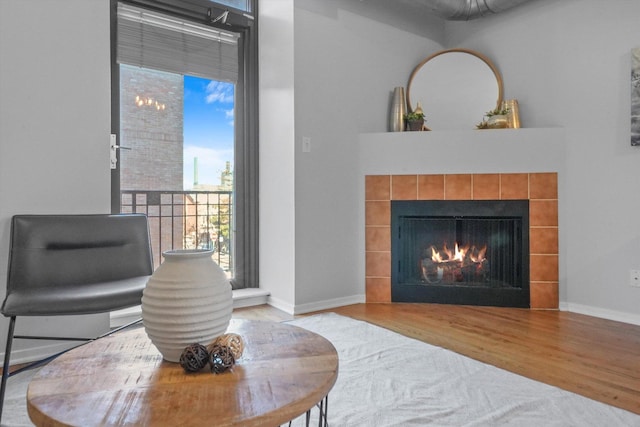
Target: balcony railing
x,y
186,220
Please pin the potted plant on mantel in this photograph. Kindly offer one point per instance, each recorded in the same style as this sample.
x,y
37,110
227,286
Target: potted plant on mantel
x,y
414,120
496,119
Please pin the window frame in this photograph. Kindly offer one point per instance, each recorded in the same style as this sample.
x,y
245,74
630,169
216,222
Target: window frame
x,y
246,201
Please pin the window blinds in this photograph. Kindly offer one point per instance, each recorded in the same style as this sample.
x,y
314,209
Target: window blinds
x,y
161,42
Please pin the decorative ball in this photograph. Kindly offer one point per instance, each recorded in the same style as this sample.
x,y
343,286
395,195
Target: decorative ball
x,y
194,357
233,341
221,358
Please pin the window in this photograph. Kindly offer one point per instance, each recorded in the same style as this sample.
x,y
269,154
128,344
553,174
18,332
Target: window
x,y
238,4
183,90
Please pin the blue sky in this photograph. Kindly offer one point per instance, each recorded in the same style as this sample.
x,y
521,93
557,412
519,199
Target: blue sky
x,y
208,129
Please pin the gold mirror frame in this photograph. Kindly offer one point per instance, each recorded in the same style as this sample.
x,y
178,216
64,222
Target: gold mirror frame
x,y
454,105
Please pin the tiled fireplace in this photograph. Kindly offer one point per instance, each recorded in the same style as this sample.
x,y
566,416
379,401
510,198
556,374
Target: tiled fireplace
x,y
540,189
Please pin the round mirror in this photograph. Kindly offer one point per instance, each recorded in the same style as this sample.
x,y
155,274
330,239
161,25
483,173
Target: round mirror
x,y
455,88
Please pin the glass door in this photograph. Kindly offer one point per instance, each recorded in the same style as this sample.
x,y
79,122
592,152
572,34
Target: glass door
x,y
177,157
181,91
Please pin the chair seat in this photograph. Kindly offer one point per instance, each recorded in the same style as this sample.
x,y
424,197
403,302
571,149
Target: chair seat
x,y
67,300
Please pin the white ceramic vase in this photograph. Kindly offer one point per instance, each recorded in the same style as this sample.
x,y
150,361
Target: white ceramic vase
x,y
187,300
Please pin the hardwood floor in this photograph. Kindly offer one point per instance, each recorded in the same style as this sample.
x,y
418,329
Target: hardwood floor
x,y
596,358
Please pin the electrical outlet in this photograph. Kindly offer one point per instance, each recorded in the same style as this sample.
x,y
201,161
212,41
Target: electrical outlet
x,y
634,278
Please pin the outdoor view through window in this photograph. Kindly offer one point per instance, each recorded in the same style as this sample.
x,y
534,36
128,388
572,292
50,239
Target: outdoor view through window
x,y
176,161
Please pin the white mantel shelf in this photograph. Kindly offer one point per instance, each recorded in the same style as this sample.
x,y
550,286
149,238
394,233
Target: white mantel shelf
x,y
472,151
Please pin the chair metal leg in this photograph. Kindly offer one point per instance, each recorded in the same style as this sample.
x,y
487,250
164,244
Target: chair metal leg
x,y
5,365
7,354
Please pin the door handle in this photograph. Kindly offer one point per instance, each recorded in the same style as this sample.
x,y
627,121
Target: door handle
x,y
113,146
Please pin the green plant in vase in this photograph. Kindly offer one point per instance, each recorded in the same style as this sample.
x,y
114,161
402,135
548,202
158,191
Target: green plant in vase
x,y
496,119
414,120
497,112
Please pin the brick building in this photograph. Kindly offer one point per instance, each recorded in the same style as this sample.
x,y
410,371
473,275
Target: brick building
x,y
151,129
151,125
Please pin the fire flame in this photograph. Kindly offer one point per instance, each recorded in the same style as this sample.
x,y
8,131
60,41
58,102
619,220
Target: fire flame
x,y
435,255
459,254
480,256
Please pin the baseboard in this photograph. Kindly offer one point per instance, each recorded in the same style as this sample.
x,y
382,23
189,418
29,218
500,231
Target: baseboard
x,y
280,305
618,316
241,298
249,297
328,304
315,306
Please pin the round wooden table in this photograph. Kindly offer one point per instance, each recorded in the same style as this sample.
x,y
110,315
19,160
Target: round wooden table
x,y
121,380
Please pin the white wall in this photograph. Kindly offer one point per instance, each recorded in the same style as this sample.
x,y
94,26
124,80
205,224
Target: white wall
x,y
277,168
568,64
347,62
54,124
327,72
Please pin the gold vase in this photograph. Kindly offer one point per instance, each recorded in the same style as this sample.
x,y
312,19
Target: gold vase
x,y
398,110
513,117
497,122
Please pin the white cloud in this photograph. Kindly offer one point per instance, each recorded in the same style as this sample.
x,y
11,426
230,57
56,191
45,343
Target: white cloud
x,y
230,115
219,92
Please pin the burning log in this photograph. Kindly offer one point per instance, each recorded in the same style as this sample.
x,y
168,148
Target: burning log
x,y
453,272
462,265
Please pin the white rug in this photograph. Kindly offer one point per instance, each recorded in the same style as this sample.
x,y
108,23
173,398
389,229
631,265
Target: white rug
x,y
386,379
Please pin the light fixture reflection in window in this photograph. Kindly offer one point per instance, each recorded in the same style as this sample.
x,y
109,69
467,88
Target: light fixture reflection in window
x,y
142,101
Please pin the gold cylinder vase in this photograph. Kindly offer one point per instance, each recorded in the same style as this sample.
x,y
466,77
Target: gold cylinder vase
x,y
398,110
513,117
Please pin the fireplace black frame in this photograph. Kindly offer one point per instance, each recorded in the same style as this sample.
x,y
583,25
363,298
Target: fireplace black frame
x,y
516,296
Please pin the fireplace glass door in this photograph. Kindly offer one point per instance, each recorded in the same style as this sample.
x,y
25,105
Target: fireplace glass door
x,y
461,252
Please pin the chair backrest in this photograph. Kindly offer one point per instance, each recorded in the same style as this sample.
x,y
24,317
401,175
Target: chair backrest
x,y
49,250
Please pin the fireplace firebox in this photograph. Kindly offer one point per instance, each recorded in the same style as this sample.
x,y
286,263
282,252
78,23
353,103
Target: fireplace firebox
x,y
470,252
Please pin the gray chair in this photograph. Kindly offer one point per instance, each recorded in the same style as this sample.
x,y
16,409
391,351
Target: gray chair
x,y
73,264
